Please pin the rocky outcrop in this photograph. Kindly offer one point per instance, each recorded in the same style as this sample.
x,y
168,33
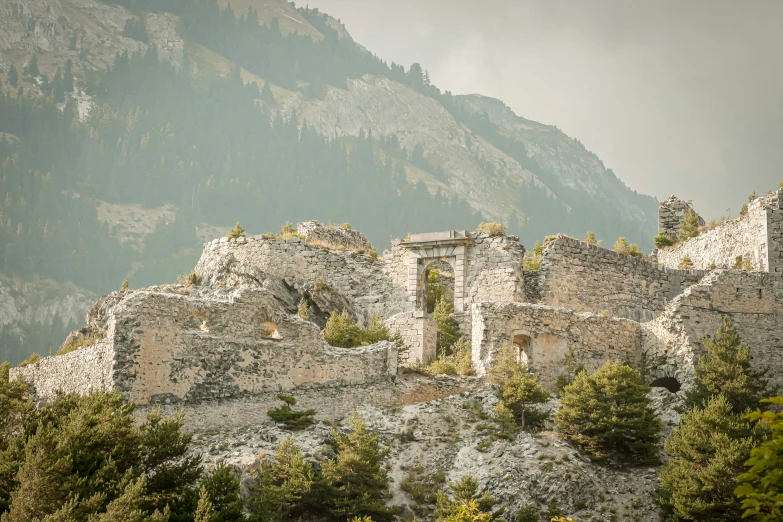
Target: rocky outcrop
x,y
334,236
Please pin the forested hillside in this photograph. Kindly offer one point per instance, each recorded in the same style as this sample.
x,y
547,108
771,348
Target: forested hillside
x,y
216,117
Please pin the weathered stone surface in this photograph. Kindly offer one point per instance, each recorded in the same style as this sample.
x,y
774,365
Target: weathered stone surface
x,y
550,339
333,235
585,277
671,214
757,236
169,346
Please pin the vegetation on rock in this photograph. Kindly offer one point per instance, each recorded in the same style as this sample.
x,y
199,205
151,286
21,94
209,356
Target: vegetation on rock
x,y
608,414
290,418
519,389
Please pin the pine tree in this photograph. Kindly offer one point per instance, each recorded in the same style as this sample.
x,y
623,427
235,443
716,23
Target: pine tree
x,y
204,511
590,239
463,492
608,412
356,480
708,450
761,487
448,328
689,227
237,231
726,369
222,489
518,388
282,487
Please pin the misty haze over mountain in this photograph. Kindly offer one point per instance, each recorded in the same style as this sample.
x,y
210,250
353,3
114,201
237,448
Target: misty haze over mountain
x,y
680,98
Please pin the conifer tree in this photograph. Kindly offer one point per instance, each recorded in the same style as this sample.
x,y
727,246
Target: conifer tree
x,y
709,450
590,239
608,412
32,67
222,489
463,491
761,487
204,511
237,231
283,485
356,481
689,227
518,388
726,369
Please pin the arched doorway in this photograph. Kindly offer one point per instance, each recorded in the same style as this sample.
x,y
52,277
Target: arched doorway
x,y
437,284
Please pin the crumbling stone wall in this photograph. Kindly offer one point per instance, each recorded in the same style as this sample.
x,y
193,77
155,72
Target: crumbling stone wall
x,y
553,341
671,214
757,235
751,301
169,347
585,277
82,371
334,235
419,335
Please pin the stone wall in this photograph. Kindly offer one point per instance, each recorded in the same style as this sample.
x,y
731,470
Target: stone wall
x,y
174,348
671,214
751,301
419,335
486,268
334,236
82,371
757,235
585,277
553,341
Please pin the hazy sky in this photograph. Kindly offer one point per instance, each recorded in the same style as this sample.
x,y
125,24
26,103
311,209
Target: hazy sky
x,y
680,96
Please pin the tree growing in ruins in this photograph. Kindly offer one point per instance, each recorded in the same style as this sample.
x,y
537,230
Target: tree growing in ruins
x,y
708,452
518,389
622,247
689,227
609,413
726,369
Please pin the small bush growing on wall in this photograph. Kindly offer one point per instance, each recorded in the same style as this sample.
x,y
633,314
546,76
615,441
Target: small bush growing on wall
x,y
34,358
685,263
302,309
662,240
124,285
532,260
622,247
342,331
192,279
494,229
237,231
591,240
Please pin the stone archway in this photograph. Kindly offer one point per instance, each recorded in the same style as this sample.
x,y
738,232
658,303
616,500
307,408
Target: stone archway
x,y
426,249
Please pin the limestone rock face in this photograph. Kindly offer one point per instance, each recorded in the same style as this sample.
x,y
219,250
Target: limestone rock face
x,y
415,119
444,433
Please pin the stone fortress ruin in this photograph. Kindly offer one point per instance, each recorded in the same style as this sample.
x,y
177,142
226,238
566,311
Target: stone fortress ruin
x,y
224,347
